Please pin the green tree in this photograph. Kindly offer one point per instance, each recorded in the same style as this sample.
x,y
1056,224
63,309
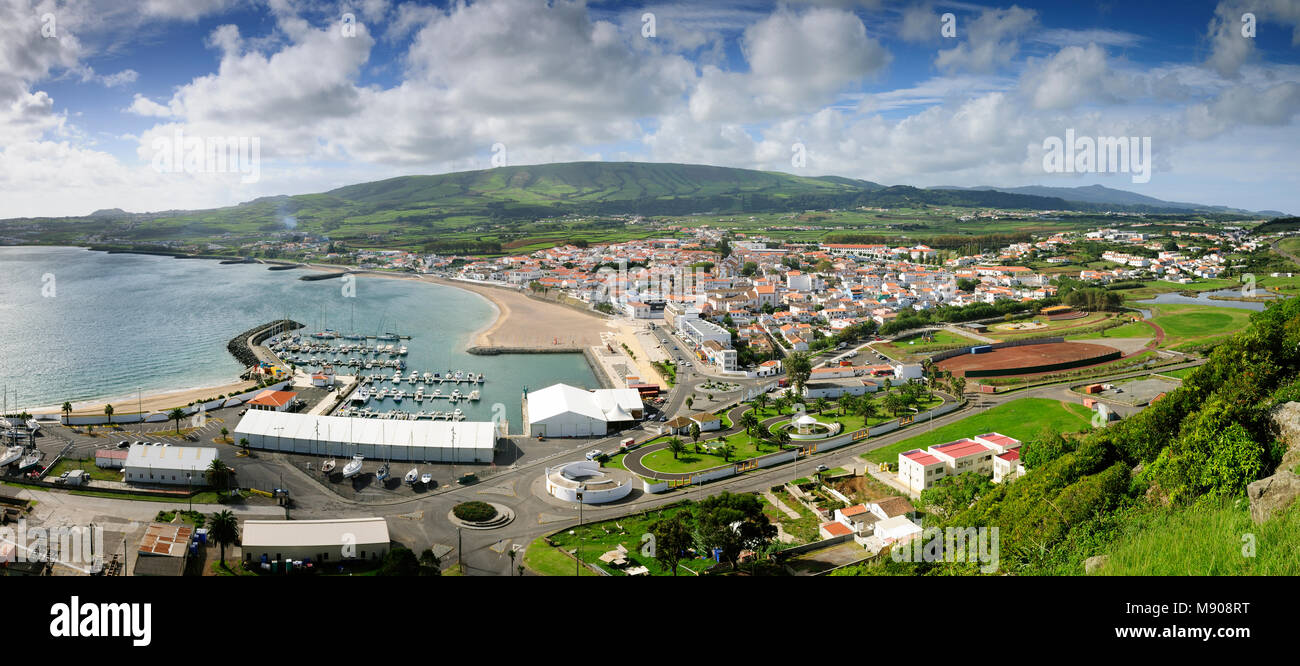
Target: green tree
x,y
749,422
399,562
676,446
218,474
1046,447
731,523
728,449
672,539
953,493
798,367
760,401
820,405
176,415
108,411
690,400
223,528
67,412
695,435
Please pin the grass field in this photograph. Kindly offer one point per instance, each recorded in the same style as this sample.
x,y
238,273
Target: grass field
x,y
1180,374
939,339
1022,419
1206,541
1187,323
596,539
547,561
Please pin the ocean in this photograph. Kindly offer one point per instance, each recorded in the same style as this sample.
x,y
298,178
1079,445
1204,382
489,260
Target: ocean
x,y
80,325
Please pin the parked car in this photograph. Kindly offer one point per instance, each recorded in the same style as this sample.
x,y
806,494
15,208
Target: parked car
x,y
124,445
593,454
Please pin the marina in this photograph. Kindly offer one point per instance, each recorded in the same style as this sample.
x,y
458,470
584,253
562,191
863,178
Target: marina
x,y
189,352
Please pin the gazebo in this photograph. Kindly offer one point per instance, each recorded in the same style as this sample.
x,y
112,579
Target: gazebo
x,y
804,423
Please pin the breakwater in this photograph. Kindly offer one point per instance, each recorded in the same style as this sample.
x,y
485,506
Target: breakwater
x,y
240,345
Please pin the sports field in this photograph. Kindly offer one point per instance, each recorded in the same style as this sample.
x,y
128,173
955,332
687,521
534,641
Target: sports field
x,y
1025,356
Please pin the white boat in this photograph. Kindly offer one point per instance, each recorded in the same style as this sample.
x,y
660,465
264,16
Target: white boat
x,y
419,394
397,397
11,455
426,478
402,351
474,395
328,466
30,461
411,476
458,415
353,468
381,473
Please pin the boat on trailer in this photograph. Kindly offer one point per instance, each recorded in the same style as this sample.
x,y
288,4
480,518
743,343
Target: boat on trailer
x,y
328,466
353,468
411,476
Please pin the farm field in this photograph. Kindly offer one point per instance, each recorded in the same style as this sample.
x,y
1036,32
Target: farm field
x,y
1022,419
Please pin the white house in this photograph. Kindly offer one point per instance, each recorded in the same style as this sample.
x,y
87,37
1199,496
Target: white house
x,y
919,470
1007,466
896,530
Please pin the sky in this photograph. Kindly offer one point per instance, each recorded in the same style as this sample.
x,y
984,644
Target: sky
x,y
97,96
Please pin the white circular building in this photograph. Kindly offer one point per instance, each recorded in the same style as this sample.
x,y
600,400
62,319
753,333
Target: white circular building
x,y
585,476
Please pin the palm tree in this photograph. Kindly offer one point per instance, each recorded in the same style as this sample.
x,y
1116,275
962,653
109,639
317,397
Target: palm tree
x,y
676,446
782,438
243,441
67,412
225,434
108,411
820,404
218,473
781,402
689,401
958,385
749,422
847,403
728,450
866,406
760,401
695,435
176,415
223,529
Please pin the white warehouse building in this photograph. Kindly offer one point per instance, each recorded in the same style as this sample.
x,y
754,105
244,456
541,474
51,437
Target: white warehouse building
x,y
167,464
324,541
418,440
561,410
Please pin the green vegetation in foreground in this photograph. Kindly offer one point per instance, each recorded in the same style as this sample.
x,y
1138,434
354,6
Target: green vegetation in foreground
x,y
1205,540
1162,491
1022,419
547,561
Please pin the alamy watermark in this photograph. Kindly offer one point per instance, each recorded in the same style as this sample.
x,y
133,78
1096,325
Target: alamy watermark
x,y
214,154
950,545
1104,154
78,546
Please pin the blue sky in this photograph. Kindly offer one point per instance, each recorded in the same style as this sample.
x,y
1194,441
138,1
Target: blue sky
x,y
865,89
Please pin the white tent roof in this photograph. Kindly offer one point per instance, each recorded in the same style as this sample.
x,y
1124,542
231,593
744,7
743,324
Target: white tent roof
x,y
805,420
601,404
286,425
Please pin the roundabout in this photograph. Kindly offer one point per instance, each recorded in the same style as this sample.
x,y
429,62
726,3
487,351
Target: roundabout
x,y
481,515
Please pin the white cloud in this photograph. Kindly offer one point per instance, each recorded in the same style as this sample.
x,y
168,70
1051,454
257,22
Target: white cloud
x,y
143,106
989,42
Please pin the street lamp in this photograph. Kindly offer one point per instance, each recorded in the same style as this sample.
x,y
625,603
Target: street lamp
x,y
189,490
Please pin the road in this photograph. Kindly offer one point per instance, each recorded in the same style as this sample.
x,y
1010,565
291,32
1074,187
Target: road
x,y
418,518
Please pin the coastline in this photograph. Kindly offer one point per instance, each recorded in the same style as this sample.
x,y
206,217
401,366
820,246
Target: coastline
x,y
531,326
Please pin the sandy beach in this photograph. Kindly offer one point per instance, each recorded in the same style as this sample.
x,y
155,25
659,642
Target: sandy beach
x,y
526,323
150,402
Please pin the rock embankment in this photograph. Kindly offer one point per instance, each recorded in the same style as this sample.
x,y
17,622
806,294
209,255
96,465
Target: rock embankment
x,y
1272,495
239,346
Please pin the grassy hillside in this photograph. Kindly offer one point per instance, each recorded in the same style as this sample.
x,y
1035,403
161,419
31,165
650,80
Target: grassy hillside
x,y
1161,490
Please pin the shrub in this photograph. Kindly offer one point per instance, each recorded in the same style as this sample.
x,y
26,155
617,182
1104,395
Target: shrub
x,y
474,512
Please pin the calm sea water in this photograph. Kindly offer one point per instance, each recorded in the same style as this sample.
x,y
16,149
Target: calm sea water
x,y
79,325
